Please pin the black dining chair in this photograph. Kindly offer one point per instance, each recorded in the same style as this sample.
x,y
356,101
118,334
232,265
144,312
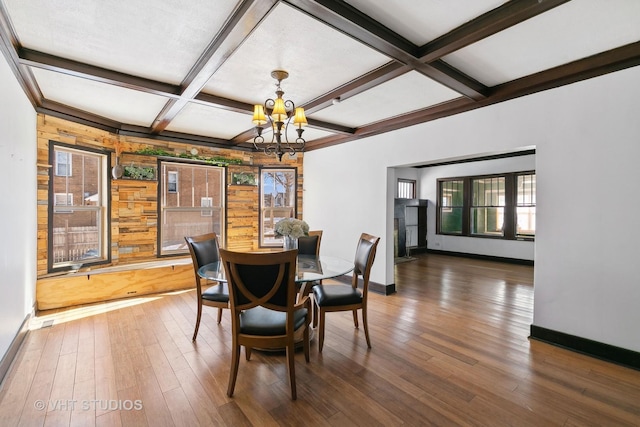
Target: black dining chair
x,y
310,245
204,250
337,297
265,310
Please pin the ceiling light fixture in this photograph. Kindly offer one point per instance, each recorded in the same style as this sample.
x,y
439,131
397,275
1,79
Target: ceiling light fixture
x,y
279,113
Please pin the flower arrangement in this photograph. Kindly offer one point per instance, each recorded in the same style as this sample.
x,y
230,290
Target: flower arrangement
x,y
292,227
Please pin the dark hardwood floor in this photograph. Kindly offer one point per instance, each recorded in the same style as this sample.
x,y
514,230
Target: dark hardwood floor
x,y
450,347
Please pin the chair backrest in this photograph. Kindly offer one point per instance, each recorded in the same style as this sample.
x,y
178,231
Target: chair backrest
x,y
310,245
261,279
204,250
365,255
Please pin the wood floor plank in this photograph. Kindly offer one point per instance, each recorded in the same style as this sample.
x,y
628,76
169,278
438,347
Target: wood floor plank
x,y
451,347
203,407
180,408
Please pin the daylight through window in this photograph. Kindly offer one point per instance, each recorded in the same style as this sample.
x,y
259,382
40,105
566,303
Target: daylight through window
x,y
78,206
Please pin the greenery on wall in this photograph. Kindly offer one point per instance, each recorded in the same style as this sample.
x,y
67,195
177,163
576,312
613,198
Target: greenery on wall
x,y
139,172
215,161
243,178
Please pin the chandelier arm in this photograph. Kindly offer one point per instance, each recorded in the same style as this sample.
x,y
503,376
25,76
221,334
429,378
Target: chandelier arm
x,y
268,105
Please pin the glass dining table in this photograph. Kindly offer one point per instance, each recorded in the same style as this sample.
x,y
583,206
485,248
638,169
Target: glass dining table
x,y
309,269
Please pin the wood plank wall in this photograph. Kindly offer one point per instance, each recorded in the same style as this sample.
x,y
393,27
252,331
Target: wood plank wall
x,y
134,218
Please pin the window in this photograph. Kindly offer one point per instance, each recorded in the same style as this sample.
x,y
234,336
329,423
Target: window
x,y
172,182
499,206
487,206
63,163
277,201
526,206
406,189
63,199
191,203
206,202
78,209
451,206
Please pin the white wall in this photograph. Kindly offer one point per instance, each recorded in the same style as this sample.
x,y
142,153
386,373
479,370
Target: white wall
x,y
587,140
18,206
587,276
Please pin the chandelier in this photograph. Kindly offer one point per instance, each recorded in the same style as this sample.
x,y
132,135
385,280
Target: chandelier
x,y
281,114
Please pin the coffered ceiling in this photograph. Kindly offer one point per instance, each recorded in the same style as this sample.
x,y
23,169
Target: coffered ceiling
x,y
190,70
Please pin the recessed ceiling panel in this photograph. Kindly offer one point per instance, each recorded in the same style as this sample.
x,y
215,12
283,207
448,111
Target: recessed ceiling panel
x,y
197,119
573,31
159,40
317,58
409,92
113,102
423,21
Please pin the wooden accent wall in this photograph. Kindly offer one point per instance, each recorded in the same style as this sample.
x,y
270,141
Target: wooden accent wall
x,y
102,285
134,218
136,203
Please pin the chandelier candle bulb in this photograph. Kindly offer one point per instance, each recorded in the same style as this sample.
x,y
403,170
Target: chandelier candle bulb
x,y
300,119
259,118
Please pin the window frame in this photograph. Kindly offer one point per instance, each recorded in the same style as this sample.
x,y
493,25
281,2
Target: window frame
x,y
261,226
172,184
196,201
412,183
473,205
531,204
68,165
439,208
102,210
510,206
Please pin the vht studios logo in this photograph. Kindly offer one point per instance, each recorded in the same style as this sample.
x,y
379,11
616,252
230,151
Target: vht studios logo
x,y
87,405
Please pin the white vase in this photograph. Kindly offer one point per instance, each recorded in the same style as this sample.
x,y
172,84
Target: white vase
x,y
290,243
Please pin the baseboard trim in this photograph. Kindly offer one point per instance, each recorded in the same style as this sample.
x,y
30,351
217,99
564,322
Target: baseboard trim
x,y
485,257
610,353
378,288
13,349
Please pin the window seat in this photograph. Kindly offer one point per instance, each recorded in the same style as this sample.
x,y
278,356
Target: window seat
x,y
95,284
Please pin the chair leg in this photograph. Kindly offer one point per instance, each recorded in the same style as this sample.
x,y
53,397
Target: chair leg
x,y
247,353
366,326
315,314
291,367
219,315
355,318
321,330
233,374
195,332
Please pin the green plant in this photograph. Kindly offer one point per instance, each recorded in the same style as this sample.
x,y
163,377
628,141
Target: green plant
x,y
243,178
148,151
139,172
215,161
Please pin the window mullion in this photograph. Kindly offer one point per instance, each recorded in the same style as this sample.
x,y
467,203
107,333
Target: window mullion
x,y
510,211
466,205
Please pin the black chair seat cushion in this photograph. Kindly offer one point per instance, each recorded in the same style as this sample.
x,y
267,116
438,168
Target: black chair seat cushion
x,y
262,321
332,295
217,293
